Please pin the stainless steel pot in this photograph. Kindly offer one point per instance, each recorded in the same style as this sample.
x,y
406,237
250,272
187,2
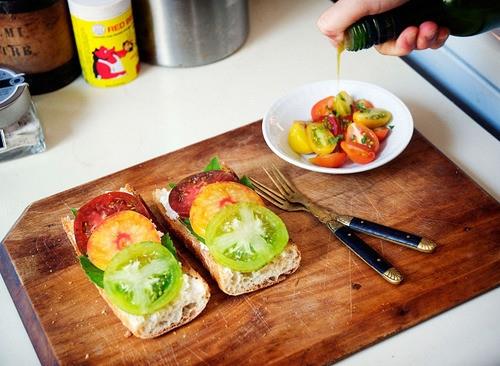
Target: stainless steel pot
x,y
183,33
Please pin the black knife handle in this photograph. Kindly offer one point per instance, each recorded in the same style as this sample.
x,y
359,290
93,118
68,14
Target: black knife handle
x,y
366,253
387,233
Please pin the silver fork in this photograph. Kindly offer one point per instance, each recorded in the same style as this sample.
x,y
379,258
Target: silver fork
x,y
290,199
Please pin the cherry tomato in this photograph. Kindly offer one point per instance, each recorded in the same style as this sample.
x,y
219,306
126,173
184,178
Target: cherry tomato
x,y
358,153
93,213
381,132
183,194
320,138
371,118
246,236
213,198
343,102
333,160
143,278
362,135
333,124
297,138
117,232
322,108
362,105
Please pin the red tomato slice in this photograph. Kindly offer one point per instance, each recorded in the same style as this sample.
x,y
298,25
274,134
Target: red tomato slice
x,y
182,196
333,160
362,135
93,213
381,132
358,153
333,124
322,108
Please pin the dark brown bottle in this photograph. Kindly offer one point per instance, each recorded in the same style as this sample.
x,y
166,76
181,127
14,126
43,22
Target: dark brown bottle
x,y
36,39
461,17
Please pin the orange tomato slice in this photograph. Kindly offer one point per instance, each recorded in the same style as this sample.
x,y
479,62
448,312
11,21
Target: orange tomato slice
x,y
117,232
213,197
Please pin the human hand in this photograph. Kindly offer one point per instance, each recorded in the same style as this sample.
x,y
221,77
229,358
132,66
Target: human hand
x,y
334,21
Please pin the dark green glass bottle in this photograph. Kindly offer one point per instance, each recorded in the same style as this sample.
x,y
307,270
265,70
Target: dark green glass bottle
x,y
461,17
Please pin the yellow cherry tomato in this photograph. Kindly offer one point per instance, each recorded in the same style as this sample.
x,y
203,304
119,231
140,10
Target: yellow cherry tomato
x,y
373,117
321,139
297,138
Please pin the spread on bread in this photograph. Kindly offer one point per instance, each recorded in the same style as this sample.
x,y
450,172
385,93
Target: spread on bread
x,y
243,244
135,266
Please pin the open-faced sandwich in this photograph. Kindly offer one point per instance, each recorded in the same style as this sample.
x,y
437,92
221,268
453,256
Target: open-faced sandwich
x,y
243,244
135,267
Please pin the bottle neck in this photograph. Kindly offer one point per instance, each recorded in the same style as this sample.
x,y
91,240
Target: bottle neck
x,y
372,30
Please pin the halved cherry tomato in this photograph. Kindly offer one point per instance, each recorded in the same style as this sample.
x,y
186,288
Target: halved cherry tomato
x,y
358,153
362,135
322,108
371,118
183,194
246,236
381,132
320,138
297,138
213,197
343,102
117,232
143,278
362,105
93,213
333,124
333,160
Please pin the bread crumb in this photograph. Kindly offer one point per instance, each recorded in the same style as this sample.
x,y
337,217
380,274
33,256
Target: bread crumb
x,y
103,311
128,334
87,356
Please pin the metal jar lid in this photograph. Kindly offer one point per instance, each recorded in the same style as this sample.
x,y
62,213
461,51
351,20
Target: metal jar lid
x,y
15,97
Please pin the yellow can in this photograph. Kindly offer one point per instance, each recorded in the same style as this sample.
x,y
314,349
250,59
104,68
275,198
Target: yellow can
x,y
105,39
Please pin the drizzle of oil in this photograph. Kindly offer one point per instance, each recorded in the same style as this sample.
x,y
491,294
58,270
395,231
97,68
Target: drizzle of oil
x,y
340,50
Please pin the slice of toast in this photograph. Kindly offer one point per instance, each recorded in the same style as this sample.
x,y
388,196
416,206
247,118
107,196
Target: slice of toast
x,y
190,302
230,281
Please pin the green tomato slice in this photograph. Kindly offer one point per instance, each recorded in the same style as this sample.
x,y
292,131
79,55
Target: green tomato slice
x,y
245,236
343,102
142,278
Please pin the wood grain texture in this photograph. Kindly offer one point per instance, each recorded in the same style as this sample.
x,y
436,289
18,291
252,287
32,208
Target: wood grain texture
x,y
332,306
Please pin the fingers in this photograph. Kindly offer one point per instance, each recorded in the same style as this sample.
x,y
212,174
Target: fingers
x,y
443,34
402,46
427,35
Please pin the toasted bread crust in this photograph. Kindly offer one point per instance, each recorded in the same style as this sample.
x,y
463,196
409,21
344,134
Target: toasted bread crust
x,y
174,315
232,282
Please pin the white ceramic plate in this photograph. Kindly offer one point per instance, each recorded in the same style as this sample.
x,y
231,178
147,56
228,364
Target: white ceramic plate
x,y
297,106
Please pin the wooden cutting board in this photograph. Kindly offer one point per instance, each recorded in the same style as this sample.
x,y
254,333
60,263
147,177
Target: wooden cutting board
x,y
331,307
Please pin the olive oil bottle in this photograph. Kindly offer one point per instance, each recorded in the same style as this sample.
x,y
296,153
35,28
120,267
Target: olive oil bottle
x,y
461,17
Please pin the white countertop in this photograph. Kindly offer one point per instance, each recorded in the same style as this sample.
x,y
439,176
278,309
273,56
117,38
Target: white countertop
x,y
93,132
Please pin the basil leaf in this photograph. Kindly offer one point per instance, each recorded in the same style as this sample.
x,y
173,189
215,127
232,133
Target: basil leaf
x,y
167,242
94,274
74,211
187,224
213,165
247,182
